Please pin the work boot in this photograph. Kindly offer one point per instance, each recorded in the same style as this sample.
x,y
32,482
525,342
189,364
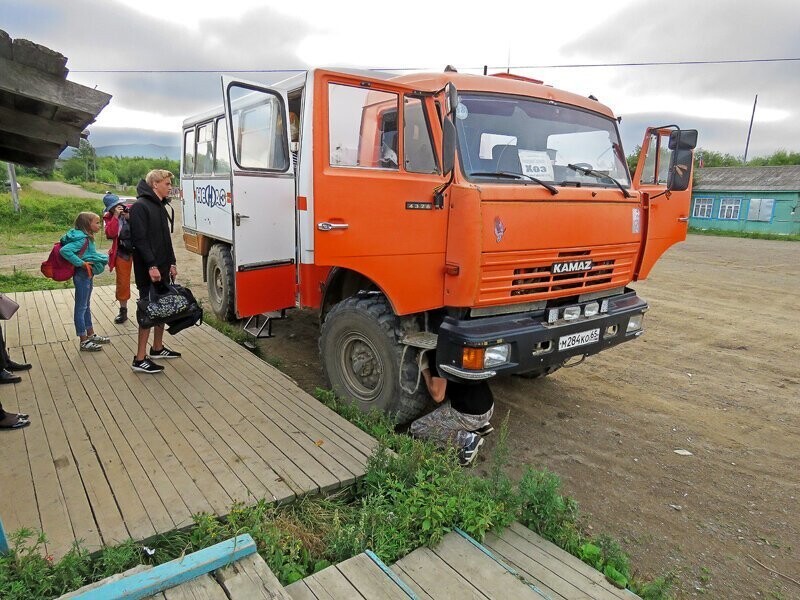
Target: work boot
x,y
122,316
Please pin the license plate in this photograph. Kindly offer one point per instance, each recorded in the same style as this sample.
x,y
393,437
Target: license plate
x,y
578,339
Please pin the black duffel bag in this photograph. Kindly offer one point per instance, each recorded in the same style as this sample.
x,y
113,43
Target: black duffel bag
x,y
193,315
164,304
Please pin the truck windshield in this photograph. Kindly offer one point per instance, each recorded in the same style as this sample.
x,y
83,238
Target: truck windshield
x,y
537,138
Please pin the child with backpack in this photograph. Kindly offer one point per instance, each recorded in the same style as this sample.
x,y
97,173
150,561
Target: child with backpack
x,y
118,230
77,247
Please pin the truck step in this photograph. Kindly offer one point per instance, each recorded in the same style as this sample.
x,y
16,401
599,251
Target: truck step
x,y
260,326
423,339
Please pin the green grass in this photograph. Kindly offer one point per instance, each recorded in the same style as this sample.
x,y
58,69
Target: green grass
x,y
20,281
42,220
746,234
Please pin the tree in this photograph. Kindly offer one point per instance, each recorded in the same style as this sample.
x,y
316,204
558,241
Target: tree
x,y
88,157
633,159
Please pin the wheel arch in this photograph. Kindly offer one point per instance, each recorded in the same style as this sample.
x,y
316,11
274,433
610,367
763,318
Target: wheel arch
x,y
343,283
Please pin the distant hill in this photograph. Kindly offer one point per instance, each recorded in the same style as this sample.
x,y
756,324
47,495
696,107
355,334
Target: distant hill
x,y
131,150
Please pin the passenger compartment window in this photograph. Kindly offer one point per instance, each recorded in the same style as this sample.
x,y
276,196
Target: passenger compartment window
x,y
188,152
222,165
362,127
205,150
259,130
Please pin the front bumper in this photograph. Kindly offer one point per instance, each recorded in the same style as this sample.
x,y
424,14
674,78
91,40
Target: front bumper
x,y
534,343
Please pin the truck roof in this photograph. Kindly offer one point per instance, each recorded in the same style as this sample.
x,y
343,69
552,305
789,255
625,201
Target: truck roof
x,y
430,82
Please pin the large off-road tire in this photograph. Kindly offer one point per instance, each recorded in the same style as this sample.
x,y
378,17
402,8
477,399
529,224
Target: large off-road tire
x,y
362,358
219,274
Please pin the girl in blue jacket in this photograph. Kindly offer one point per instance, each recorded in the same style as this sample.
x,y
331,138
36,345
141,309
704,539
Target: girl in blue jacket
x,y
77,246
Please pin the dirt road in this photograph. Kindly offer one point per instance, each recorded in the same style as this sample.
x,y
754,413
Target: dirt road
x,y
59,188
716,373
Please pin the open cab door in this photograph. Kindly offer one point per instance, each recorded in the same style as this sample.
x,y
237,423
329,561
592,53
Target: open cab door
x,y
664,176
263,197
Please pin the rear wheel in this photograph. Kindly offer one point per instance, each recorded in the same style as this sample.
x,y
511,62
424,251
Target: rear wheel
x,y
219,273
365,362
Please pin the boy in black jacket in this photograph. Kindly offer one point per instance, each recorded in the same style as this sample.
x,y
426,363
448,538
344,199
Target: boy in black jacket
x,y
153,258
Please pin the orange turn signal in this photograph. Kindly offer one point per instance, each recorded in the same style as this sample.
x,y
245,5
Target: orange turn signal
x,y
472,358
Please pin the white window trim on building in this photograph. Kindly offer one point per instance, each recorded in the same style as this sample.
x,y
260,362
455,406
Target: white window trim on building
x,y
703,208
729,209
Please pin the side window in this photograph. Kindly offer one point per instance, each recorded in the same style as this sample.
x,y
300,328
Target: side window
x,y
656,161
188,152
205,150
760,209
417,147
259,130
362,127
222,165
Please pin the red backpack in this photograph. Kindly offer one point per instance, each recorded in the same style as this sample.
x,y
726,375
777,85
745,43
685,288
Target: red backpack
x,y
57,267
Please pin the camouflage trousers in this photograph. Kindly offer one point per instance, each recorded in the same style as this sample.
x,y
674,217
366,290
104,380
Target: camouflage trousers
x,y
445,425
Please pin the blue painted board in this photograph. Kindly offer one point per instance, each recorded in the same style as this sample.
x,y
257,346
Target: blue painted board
x,y
176,572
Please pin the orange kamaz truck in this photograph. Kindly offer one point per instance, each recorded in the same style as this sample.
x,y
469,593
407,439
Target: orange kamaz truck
x,y
491,218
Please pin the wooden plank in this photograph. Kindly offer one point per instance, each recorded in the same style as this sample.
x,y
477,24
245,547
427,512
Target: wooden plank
x,y
271,448
36,85
300,591
200,588
491,578
369,579
23,319
11,327
279,400
303,450
45,315
120,472
56,482
17,495
189,391
331,584
569,562
536,569
175,572
100,519
250,578
37,335
96,584
299,397
142,394
436,577
410,582
154,487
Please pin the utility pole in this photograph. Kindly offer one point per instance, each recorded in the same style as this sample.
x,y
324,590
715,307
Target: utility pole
x,y
12,179
752,116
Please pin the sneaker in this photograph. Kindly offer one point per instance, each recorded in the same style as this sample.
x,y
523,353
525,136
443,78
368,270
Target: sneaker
x,y
89,345
163,353
146,366
98,339
470,450
483,430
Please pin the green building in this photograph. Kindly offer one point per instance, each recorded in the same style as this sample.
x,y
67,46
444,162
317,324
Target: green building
x,y
753,199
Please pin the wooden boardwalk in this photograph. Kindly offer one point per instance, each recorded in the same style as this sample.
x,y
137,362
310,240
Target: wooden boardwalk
x,y
112,454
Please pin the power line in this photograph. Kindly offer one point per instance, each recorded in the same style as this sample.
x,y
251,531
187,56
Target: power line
x,y
554,66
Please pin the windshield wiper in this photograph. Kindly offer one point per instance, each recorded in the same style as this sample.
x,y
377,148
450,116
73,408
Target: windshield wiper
x,y
512,175
600,175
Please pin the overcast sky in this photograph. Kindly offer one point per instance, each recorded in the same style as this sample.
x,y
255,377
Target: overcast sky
x,y
158,35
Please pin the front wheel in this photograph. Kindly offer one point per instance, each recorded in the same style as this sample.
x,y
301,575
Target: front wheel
x,y
366,364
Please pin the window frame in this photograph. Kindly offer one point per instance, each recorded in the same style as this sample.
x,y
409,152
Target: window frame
x,y
186,132
220,129
427,118
760,202
728,202
707,203
236,150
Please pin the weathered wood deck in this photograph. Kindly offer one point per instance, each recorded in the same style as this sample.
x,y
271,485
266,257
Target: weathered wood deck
x,y
112,454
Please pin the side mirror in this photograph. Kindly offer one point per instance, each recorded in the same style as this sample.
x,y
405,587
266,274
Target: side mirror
x,y
448,146
451,98
680,169
683,139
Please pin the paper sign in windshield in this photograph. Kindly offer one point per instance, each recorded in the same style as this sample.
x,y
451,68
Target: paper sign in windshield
x,y
536,164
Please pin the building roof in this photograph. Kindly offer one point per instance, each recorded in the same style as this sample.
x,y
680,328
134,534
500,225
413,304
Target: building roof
x,y
41,113
748,179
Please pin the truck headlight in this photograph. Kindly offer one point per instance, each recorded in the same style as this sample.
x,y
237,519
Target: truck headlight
x,y
591,309
496,355
635,323
572,312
